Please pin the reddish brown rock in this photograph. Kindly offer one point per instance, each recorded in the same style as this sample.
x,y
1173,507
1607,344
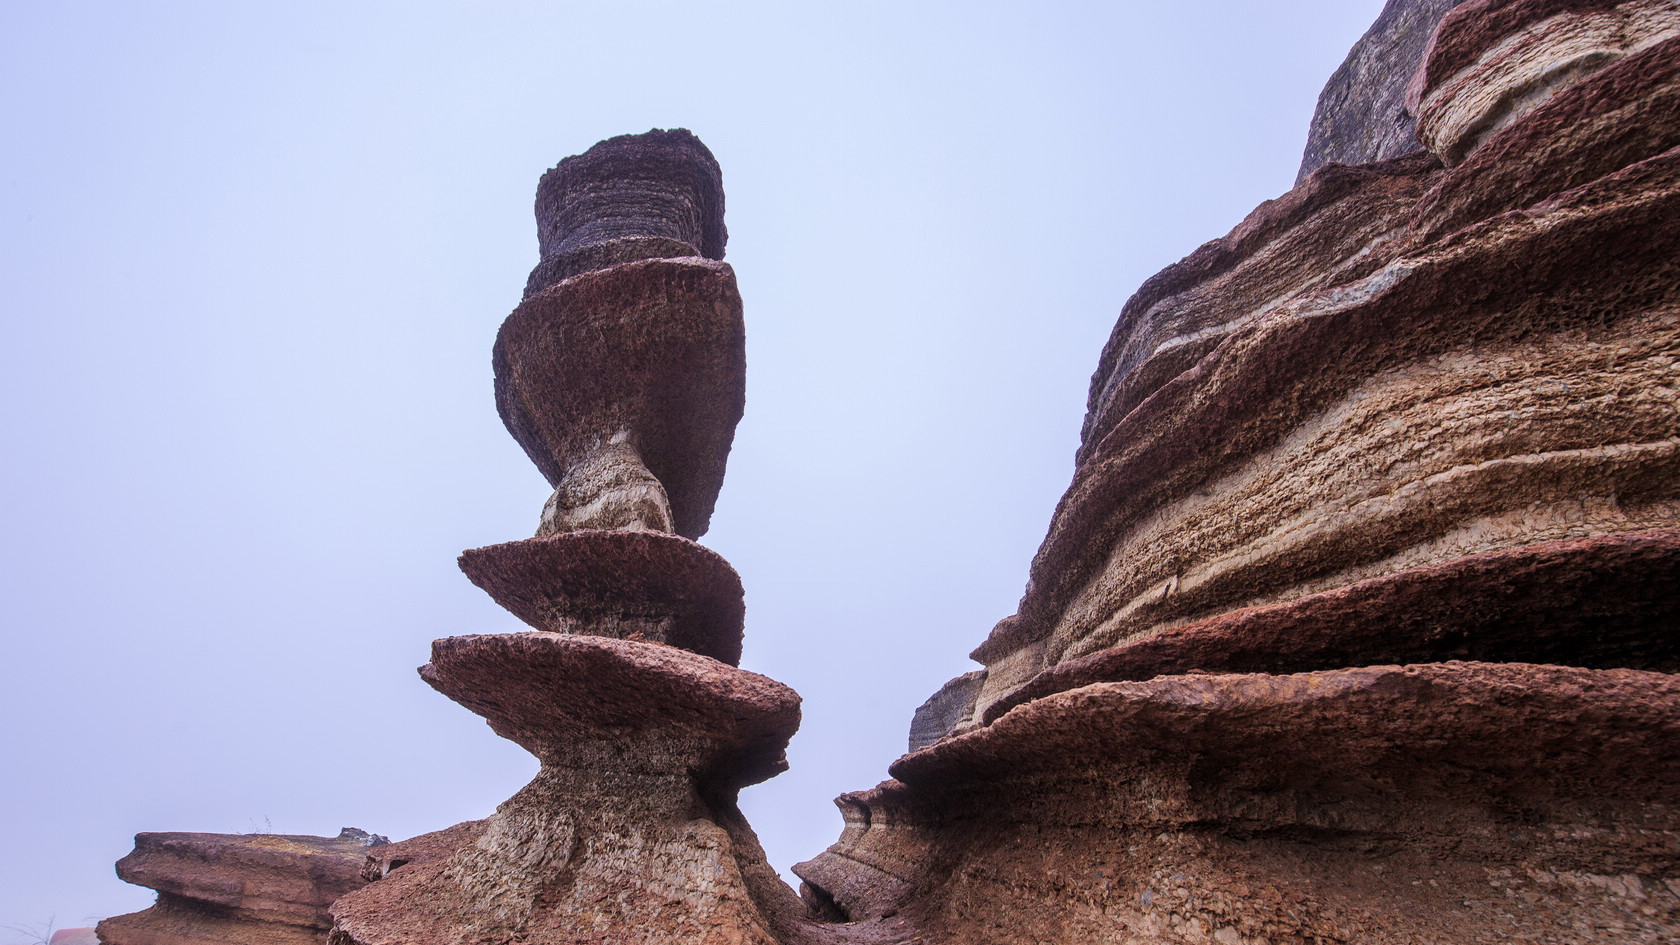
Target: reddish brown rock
x,y
653,195
645,585
624,386
262,889
1456,802
630,827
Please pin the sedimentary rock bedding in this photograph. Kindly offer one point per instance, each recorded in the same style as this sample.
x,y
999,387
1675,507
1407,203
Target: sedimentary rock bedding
x,y
238,889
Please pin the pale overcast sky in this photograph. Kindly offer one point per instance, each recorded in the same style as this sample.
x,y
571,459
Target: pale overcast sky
x,y
252,259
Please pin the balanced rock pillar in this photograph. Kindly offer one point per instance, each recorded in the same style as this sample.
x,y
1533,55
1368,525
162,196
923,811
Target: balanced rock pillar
x,y
622,375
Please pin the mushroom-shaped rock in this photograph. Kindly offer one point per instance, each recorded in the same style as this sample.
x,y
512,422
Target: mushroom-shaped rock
x,y
630,827
261,889
653,195
648,585
624,386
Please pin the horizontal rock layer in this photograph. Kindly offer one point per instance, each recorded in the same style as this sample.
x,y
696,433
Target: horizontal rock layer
x,y
643,585
1380,390
1455,802
262,889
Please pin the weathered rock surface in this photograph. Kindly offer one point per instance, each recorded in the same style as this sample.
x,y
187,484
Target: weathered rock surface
x,y
263,889
1456,802
1492,62
1362,114
653,195
624,386
638,585
1362,407
946,710
630,828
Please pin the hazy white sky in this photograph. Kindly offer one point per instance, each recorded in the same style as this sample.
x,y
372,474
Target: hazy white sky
x,y
252,259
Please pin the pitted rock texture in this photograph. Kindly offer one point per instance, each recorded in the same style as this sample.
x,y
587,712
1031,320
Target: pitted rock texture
x,y
653,195
642,364
263,889
624,584
1453,363
629,831
1362,114
1455,802
1493,61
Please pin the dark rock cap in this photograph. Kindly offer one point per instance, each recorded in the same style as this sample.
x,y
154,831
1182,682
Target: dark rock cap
x,y
658,194
1362,115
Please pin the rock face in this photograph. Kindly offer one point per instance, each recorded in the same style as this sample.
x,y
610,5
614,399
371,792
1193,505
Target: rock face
x,y
1357,622
623,381
222,889
1362,114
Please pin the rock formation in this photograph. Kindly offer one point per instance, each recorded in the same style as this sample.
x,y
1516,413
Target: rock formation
x,y
1358,621
238,889
622,376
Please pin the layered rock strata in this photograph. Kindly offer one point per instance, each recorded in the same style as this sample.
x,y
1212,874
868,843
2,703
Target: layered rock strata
x,y
238,889
623,380
1358,621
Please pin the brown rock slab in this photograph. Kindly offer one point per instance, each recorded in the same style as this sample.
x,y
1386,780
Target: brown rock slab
x,y
653,195
644,358
1459,802
664,588
237,888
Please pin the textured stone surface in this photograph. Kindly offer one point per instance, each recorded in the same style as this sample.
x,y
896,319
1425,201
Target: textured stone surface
x,y
629,830
658,194
1362,114
1457,802
1493,61
237,888
1468,379
626,584
621,373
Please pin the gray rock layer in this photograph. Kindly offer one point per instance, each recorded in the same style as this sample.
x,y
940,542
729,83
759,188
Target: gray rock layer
x,y
1361,115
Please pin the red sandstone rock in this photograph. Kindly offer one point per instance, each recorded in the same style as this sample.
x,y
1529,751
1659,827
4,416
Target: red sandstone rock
x,y
1456,802
262,889
662,587
639,365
